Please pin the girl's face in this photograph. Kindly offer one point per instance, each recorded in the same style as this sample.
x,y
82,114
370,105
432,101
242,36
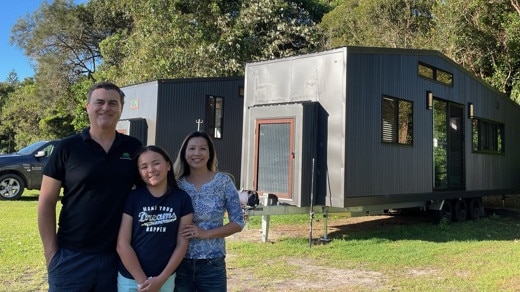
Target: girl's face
x,y
197,153
153,168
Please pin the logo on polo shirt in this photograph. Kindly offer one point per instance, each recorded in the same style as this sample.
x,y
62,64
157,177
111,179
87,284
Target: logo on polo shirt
x,y
125,156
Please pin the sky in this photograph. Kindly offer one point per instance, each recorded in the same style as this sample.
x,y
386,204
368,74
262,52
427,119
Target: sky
x,y
12,58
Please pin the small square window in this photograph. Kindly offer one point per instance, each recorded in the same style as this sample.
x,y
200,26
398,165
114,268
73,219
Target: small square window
x,y
396,121
487,136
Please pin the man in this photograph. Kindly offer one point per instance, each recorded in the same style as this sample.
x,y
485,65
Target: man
x,y
96,171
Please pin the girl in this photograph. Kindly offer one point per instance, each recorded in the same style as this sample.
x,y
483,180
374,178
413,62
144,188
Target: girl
x,y
149,242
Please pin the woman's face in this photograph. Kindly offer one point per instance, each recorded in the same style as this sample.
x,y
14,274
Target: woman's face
x,y
197,153
153,168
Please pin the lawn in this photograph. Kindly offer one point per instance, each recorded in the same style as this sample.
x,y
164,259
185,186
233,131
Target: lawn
x,y
382,253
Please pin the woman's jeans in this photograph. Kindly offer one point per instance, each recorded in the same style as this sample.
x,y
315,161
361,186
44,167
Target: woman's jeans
x,y
201,275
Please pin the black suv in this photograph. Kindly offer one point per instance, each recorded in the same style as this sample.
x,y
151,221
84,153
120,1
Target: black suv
x,y
23,169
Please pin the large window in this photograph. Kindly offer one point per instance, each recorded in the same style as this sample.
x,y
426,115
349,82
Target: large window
x,y
487,136
433,73
397,121
214,116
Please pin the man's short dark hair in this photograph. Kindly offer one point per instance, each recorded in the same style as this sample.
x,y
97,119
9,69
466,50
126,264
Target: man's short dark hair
x,y
107,86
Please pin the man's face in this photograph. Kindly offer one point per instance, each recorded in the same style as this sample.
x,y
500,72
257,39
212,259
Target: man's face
x,y
104,108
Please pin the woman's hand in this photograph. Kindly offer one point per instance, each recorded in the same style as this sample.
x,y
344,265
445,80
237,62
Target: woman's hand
x,y
192,231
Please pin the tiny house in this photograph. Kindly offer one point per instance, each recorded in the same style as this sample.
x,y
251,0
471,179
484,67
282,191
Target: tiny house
x,y
371,129
164,112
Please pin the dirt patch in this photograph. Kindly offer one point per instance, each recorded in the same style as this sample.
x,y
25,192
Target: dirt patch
x,y
323,278
336,279
335,227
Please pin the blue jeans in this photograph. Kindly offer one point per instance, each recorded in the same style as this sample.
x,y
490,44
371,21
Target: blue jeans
x,y
201,275
130,285
77,271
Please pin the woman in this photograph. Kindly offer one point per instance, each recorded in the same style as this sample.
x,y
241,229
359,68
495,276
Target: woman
x,y
212,193
149,243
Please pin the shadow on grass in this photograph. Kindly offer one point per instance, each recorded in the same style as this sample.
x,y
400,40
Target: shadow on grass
x,y
32,198
498,224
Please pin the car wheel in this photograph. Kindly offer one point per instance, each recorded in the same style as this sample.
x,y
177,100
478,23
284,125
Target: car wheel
x,y
11,187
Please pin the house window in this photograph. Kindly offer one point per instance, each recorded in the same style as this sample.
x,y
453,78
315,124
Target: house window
x,y
397,121
214,116
487,136
436,74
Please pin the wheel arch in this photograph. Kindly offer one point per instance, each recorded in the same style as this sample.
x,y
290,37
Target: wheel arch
x,y
18,173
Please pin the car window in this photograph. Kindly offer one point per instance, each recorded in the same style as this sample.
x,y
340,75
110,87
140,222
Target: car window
x,y
48,150
31,148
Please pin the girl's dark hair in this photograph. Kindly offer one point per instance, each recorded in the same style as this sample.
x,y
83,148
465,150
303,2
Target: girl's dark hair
x,y
182,167
170,177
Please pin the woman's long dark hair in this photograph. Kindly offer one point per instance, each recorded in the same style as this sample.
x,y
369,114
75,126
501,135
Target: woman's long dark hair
x,y
170,177
182,167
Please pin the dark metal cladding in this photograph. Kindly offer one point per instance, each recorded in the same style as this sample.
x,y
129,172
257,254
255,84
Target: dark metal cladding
x,y
172,108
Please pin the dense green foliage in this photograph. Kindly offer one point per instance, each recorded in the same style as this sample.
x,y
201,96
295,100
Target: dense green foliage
x,y
133,41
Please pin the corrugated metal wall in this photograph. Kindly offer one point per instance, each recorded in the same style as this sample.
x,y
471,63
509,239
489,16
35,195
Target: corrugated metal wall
x,y
374,168
182,101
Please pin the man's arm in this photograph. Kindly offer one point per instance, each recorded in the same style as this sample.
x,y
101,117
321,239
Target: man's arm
x,y
49,194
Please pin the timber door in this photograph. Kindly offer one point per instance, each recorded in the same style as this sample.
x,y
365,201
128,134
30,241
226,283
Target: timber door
x,y
448,146
274,157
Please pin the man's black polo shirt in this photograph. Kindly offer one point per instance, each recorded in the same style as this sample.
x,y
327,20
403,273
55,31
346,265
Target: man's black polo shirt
x,y
95,186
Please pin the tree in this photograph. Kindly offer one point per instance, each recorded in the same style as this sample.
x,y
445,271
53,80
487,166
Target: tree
x,y
63,40
174,39
378,23
268,29
79,93
66,36
12,78
483,36
6,140
19,117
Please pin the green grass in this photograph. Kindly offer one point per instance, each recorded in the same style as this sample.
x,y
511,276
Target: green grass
x,y
477,255
480,255
22,265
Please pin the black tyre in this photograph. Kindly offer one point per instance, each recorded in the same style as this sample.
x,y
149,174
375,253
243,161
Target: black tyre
x,y
11,187
445,214
460,212
475,208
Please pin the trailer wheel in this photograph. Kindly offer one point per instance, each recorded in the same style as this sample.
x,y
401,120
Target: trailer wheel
x,y
475,207
445,214
460,211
